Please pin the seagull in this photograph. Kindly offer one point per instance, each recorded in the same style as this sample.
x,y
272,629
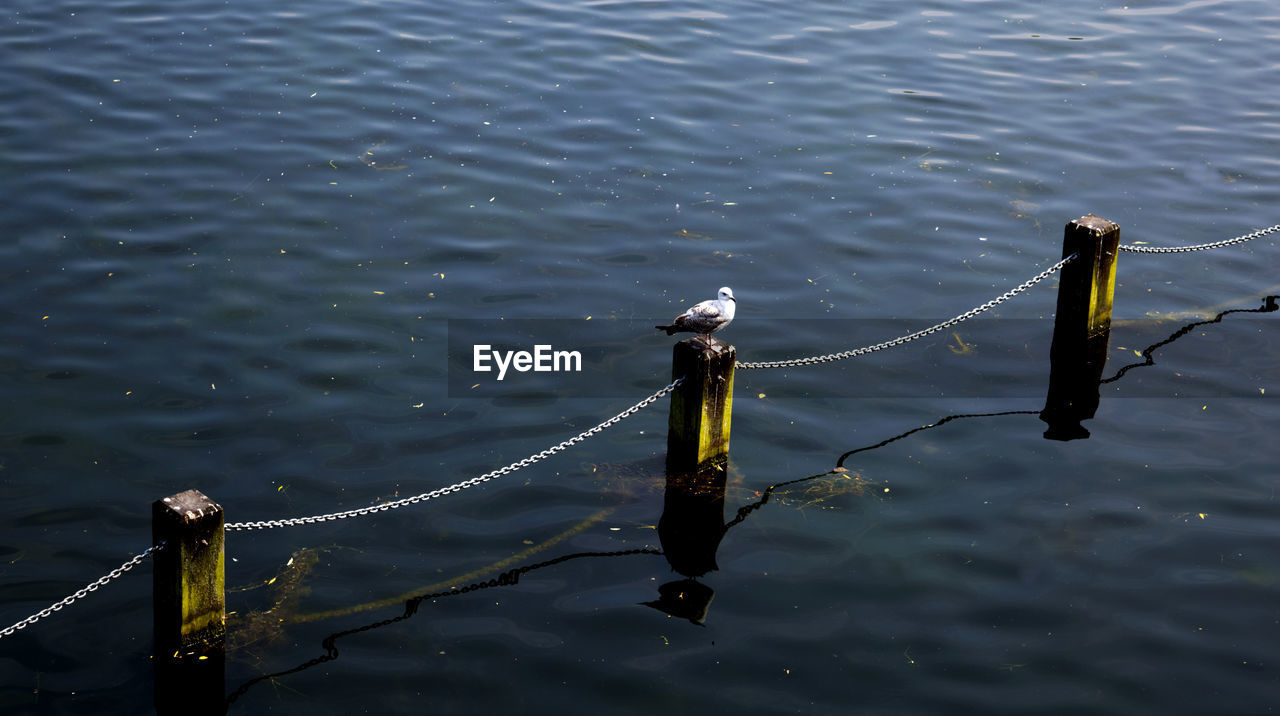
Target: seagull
x,y
706,317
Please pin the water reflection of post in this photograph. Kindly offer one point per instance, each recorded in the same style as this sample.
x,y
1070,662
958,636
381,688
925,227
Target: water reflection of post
x,y
189,604
690,529
1082,327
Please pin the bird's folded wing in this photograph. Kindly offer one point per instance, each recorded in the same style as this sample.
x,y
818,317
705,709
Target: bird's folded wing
x,y
705,310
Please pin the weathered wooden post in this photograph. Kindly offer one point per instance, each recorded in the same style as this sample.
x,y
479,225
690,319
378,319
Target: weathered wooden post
x,y
701,406
1083,326
190,606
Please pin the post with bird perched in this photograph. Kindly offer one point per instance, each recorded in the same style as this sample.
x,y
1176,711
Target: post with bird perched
x,y
1082,328
702,405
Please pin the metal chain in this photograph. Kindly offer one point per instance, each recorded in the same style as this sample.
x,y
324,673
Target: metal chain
x,y
812,360
1198,247
544,454
457,487
113,574
136,560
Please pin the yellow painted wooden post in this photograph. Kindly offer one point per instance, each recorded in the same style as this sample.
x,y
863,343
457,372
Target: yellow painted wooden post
x,y
189,602
1082,327
701,406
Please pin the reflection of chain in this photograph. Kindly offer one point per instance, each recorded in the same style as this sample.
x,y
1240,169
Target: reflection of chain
x,y
113,574
918,334
266,524
1198,247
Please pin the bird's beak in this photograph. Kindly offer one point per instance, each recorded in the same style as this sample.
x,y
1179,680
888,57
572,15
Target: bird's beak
x,y
731,298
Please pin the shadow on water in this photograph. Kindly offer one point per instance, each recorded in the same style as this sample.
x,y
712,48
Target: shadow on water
x,y
1148,354
1076,368
693,526
411,606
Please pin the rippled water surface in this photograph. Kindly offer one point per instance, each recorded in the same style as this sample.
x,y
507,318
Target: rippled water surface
x,y
238,239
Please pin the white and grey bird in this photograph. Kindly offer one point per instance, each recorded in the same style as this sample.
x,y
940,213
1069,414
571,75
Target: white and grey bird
x,y
706,317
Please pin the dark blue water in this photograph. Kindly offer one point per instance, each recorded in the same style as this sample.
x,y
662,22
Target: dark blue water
x,y
236,236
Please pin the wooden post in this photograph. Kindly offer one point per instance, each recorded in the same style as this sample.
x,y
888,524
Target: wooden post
x,y
190,606
1082,327
701,406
